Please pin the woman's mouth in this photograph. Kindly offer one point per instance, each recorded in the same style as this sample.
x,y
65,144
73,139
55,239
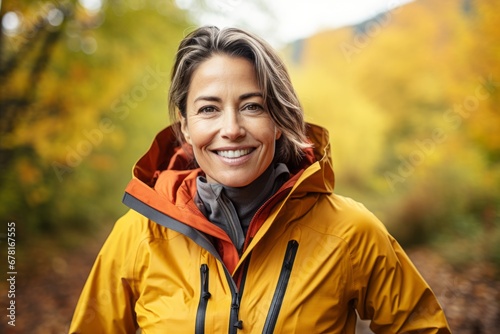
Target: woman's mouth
x,y
233,154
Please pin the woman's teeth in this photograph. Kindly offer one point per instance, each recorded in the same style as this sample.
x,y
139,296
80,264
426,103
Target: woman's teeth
x,y
234,154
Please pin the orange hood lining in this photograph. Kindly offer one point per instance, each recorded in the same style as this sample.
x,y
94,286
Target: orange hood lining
x,y
167,153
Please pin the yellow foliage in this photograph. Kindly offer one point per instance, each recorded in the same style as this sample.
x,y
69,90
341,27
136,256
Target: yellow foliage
x,y
411,101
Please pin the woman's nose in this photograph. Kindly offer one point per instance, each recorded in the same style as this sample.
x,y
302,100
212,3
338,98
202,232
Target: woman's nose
x,y
232,125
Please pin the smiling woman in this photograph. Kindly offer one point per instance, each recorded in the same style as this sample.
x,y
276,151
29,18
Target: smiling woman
x,y
231,132
234,226
271,80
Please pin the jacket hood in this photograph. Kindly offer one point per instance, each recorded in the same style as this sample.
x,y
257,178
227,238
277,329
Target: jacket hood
x,y
166,153
164,182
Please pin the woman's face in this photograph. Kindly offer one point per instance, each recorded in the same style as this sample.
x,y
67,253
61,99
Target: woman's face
x,y
232,133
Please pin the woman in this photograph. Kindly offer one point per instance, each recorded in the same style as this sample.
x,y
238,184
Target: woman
x,y
234,226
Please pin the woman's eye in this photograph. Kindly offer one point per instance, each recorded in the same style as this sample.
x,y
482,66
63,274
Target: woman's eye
x,y
206,110
253,107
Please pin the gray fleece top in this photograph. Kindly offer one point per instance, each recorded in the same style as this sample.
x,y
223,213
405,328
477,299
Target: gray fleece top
x,y
232,209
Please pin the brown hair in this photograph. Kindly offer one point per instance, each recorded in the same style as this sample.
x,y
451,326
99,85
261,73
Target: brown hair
x,y
274,81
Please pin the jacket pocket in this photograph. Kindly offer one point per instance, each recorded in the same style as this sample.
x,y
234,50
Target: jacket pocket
x,y
204,297
279,293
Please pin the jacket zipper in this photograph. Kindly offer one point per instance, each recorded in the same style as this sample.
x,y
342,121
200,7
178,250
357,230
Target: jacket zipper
x,y
279,293
234,322
204,297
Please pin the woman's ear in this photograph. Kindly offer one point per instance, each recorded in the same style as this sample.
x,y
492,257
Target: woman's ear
x,y
185,129
277,133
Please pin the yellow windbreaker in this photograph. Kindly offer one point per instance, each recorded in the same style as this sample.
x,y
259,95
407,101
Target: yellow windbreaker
x,y
311,260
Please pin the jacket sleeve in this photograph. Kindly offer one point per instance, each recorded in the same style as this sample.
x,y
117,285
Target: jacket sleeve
x,y
389,290
106,304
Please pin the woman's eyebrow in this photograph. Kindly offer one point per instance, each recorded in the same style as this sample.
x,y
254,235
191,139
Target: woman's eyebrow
x,y
208,98
250,95
218,99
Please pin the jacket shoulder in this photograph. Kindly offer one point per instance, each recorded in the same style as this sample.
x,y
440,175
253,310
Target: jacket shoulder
x,y
363,218
133,225
345,218
360,229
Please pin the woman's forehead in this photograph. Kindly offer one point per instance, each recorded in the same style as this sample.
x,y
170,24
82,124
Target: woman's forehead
x,y
223,75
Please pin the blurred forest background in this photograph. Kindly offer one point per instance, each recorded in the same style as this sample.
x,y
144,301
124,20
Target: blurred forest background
x,y
411,98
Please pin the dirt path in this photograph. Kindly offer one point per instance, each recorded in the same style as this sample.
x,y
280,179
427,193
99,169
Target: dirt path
x,y
46,294
48,286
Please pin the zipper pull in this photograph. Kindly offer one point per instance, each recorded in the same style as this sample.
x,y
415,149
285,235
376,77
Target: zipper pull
x,y
235,306
204,281
239,324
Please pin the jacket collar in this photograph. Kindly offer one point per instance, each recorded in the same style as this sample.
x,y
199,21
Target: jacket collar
x,y
166,153
164,180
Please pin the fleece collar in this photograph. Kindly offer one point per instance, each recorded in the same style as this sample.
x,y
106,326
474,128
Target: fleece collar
x,y
231,208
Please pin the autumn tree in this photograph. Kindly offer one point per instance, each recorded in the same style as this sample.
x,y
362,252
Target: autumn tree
x,y
83,90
